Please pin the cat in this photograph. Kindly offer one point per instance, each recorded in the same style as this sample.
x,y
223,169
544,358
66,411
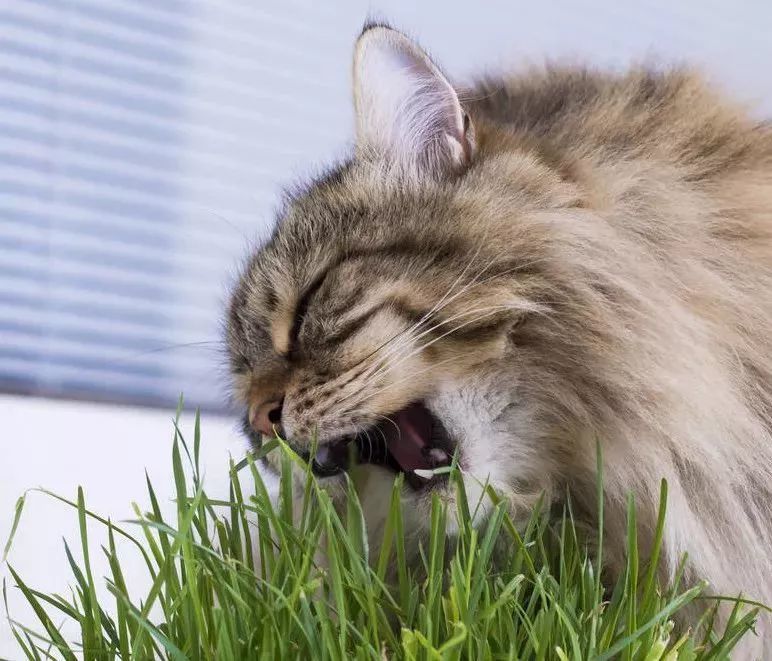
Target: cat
x,y
515,271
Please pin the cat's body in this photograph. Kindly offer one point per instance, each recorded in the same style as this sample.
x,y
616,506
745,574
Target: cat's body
x,y
564,258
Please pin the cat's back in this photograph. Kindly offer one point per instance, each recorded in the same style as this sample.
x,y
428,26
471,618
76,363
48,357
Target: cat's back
x,y
671,115
675,176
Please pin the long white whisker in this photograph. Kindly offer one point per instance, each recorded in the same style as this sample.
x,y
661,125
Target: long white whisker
x,y
371,395
408,340
379,367
385,369
491,311
440,304
369,442
361,411
473,283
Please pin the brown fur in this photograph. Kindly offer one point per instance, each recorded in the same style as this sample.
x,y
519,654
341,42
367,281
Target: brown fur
x,y
602,270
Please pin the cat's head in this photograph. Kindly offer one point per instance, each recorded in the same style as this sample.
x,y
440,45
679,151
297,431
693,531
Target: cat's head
x,y
377,317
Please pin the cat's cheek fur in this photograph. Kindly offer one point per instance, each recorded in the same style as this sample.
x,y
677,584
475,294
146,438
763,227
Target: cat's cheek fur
x,y
498,444
498,440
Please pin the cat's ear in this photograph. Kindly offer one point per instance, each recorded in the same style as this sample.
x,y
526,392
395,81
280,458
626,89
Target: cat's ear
x,y
406,108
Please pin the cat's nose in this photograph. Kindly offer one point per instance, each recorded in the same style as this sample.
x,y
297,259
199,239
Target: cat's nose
x,y
266,417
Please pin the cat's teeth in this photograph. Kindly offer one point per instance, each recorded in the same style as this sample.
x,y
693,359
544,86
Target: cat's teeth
x,y
424,473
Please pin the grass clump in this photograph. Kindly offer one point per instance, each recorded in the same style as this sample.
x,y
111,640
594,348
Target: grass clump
x,y
239,579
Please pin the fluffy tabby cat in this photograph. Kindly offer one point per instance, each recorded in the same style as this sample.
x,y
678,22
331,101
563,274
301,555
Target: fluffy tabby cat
x,y
516,269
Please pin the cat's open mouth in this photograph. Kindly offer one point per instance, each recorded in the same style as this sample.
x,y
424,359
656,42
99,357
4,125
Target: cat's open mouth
x,y
412,441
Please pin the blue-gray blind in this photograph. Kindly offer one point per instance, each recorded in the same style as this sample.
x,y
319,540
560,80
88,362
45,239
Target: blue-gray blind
x,y
141,143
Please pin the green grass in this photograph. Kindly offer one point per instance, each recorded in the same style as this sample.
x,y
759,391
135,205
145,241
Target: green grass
x,y
236,579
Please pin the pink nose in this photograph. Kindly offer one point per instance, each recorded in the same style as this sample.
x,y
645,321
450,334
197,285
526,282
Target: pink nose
x,y
266,417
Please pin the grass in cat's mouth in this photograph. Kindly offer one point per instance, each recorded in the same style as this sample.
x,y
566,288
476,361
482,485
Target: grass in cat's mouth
x,y
412,441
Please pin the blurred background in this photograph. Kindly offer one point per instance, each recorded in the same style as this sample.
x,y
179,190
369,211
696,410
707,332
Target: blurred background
x,y
143,148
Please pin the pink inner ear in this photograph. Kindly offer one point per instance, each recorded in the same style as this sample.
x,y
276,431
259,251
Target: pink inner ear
x,y
410,437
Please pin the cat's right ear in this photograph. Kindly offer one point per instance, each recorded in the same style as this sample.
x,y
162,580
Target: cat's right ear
x,y
405,107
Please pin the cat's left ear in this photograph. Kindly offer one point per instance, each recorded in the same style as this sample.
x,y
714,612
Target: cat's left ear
x,y
406,108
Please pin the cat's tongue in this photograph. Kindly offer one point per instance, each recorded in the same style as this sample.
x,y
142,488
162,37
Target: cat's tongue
x,y
409,439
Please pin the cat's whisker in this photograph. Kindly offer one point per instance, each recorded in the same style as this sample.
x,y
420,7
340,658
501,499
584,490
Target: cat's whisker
x,y
440,302
203,344
465,289
386,418
387,368
489,311
370,396
434,309
421,348
438,306
403,335
379,369
369,442
412,375
358,410
382,368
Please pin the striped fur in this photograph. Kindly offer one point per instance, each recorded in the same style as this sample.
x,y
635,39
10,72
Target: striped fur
x,y
600,268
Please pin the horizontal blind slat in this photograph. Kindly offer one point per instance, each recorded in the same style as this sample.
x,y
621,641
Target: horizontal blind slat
x,y
141,150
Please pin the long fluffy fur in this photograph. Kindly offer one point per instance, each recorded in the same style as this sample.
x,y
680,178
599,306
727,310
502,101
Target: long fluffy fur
x,y
618,231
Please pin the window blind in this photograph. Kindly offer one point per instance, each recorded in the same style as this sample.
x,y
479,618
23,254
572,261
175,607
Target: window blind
x,y
143,144
141,148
